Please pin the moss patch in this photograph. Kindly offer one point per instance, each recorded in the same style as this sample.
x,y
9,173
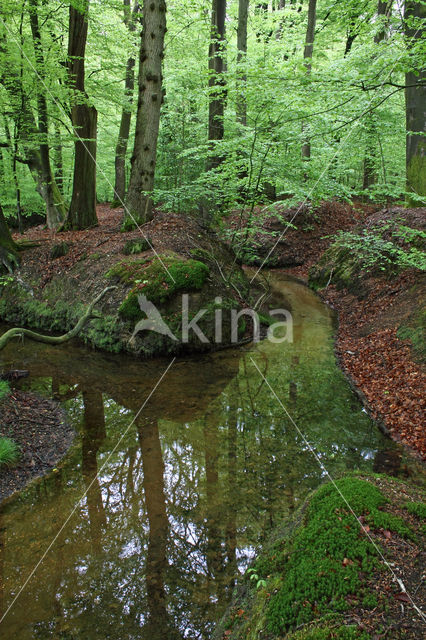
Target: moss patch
x,y
133,247
150,278
322,566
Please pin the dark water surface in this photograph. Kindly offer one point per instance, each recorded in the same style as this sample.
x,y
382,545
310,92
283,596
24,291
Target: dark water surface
x,y
152,518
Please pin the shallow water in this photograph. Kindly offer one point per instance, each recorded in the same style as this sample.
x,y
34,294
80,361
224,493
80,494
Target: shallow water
x,y
144,527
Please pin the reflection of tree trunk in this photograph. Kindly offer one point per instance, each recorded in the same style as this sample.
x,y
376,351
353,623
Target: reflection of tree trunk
x,y
158,626
214,514
93,436
231,524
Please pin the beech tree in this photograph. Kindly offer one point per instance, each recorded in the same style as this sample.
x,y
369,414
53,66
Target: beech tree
x,y
307,55
150,96
216,79
415,101
130,20
82,211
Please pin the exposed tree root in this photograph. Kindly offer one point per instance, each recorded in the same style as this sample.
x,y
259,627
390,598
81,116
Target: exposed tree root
x,y
17,332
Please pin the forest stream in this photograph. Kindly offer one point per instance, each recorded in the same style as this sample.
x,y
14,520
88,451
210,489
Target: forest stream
x,y
147,522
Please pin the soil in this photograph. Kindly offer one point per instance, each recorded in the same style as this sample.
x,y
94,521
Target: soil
x,y
167,231
39,428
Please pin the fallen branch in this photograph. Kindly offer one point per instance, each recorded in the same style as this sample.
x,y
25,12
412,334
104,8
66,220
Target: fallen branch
x,y
19,332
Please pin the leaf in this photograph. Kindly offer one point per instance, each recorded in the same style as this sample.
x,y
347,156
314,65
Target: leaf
x,y
402,597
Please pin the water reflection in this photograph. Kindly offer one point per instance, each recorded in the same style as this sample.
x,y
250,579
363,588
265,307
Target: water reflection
x,y
167,510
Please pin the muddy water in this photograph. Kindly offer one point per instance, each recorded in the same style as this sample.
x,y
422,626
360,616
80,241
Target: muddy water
x,y
143,529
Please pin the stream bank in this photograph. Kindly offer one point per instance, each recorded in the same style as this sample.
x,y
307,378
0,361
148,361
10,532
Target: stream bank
x,y
346,566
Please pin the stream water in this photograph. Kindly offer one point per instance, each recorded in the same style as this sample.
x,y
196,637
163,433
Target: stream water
x,y
153,519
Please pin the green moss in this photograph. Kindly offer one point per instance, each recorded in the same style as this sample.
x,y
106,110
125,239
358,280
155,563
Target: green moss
x,y
136,246
101,332
151,279
330,631
323,562
416,508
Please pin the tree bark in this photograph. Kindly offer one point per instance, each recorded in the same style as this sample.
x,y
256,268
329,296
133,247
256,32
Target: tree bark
x,y
150,95
82,212
415,101
216,79
126,114
307,55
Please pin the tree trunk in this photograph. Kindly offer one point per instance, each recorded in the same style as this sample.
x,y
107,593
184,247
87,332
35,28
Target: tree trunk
x,y
54,203
126,114
307,55
216,78
82,212
150,95
241,103
8,248
371,153
415,100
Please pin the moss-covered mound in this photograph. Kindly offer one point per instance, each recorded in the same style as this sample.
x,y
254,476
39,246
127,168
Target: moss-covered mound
x,y
159,279
325,574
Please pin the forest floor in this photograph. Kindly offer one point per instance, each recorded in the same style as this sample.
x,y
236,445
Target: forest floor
x,y
39,428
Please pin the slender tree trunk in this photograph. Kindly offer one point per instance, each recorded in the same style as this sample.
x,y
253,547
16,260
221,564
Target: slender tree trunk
x,y
94,434
150,97
126,114
216,79
58,160
307,55
82,212
241,104
55,207
415,101
13,153
371,160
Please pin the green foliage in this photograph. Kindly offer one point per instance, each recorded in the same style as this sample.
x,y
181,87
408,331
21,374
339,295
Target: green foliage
x,y
150,278
136,246
326,555
416,508
9,452
374,252
4,389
